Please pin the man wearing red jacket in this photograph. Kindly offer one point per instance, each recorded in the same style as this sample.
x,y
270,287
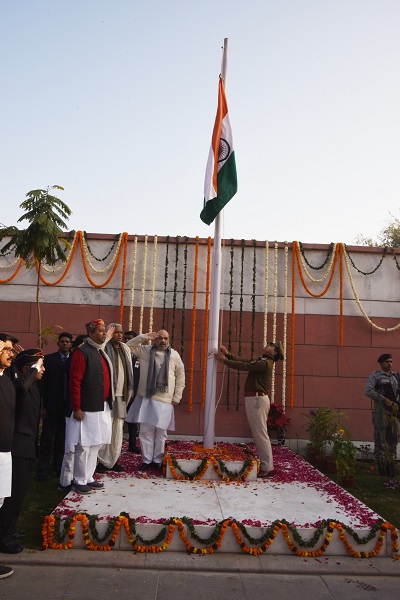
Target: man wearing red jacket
x,y
92,393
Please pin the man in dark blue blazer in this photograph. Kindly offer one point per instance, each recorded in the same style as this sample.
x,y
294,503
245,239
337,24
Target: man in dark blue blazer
x,y
54,390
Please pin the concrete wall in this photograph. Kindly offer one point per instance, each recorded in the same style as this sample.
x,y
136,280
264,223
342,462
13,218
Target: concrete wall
x,y
325,374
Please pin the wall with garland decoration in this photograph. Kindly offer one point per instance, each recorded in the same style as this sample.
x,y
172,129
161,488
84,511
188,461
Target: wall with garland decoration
x,y
335,308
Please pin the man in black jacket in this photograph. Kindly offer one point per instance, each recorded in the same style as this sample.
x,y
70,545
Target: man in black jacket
x,y
54,390
7,424
30,368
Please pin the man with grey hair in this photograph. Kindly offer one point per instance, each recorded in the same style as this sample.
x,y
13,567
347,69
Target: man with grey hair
x,y
120,357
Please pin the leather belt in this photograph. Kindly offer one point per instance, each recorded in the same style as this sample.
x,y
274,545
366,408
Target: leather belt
x,y
247,394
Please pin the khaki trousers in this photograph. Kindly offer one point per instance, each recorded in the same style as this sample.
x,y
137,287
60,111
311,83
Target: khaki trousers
x,y
257,409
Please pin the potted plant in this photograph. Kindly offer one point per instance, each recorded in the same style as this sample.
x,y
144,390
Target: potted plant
x,y
345,454
321,428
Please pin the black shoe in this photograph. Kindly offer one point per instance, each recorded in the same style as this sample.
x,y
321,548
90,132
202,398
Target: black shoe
x,y
10,548
117,468
64,488
134,450
5,571
144,466
157,466
102,468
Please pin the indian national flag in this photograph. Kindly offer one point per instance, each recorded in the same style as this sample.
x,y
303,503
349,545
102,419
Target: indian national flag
x,y
220,183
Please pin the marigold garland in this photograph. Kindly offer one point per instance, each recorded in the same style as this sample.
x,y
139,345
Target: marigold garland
x,y
192,350
106,255
388,329
144,264
184,292
328,256
67,264
297,255
219,467
133,281
292,338
253,299
56,540
266,293
98,285
285,304
113,259
165,283
328,270
123,275
240,321
206,319
175,289
63,263
17,270
373,270
153,282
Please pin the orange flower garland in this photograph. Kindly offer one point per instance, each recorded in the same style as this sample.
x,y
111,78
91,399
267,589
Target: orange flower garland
x,y
192,350
206,317
121,304
90,280
297,255
207,462
67,267
21,262
48,535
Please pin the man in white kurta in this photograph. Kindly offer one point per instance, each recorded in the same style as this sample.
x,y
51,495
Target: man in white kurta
x,y
161,384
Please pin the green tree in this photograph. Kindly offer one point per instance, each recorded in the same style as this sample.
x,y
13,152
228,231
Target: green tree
x,y
41,240
389,236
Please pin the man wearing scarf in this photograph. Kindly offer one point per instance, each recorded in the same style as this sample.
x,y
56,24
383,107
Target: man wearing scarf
x,y
120,357
161,384
92,393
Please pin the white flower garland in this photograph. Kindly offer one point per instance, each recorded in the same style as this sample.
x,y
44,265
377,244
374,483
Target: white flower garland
x,y
329,268
143,284
153,283
359,302
63,263
285,312
11,264
266,293
133,282
110,264
275,315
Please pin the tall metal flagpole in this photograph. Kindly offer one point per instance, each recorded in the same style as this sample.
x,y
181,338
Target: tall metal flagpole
x,y
213,327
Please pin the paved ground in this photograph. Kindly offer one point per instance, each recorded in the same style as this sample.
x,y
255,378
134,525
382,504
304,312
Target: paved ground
x,y
85,575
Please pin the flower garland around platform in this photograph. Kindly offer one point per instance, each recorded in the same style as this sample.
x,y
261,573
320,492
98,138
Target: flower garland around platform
x,y
165,282
388,329
153,283
366,272
53,538
175,289
205,330
193,346
144,264
184,292
133,282
218,465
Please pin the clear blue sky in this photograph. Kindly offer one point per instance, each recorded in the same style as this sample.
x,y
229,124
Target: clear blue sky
x,y
115,101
